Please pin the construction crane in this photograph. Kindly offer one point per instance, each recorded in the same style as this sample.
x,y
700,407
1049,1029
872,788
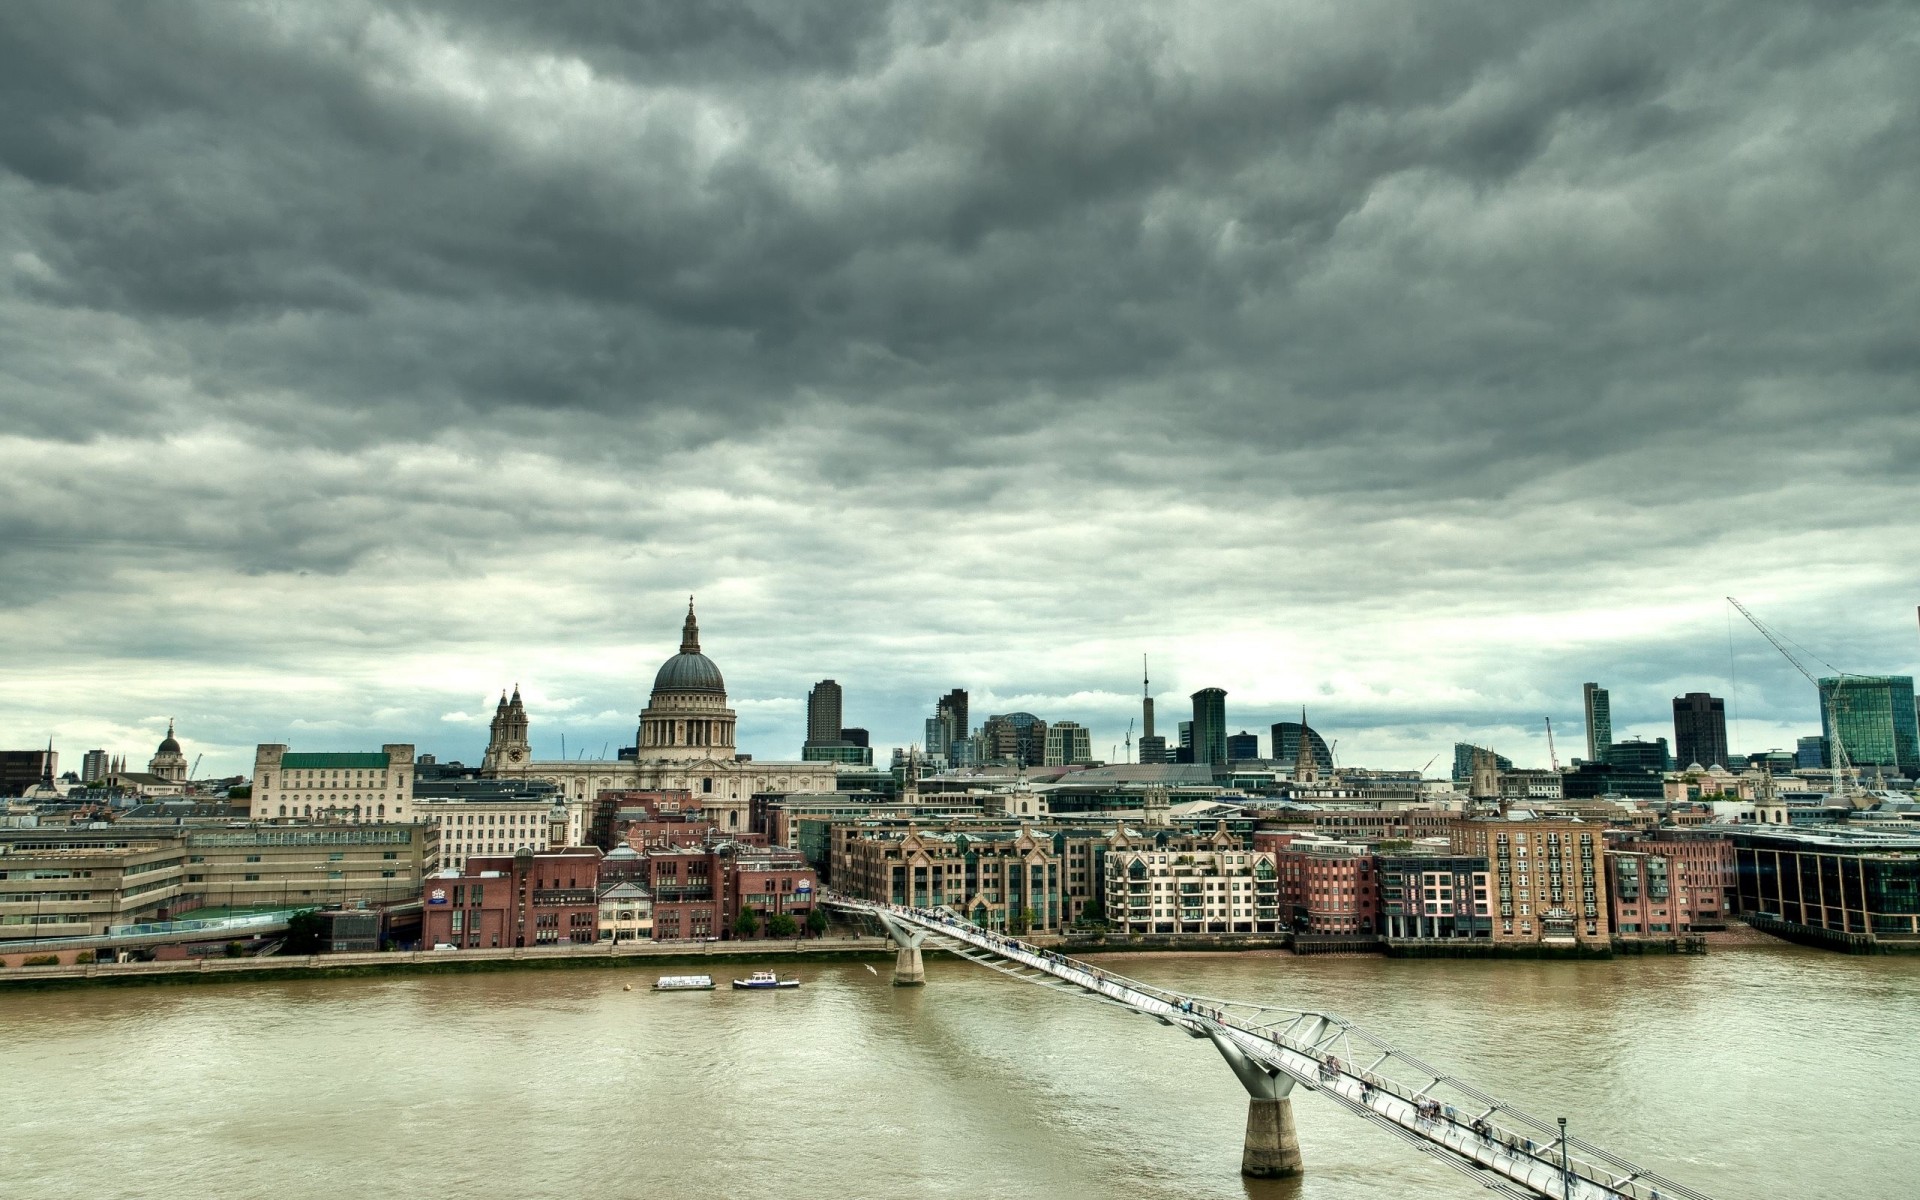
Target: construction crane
x,y
195,773
1423,770
1129,757
1836,752
1551,756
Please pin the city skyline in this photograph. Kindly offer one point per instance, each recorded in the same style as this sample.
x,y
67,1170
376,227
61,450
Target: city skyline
x,y
461,735
1416,365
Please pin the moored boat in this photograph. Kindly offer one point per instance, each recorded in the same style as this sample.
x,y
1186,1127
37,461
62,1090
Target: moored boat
x,y
683,983
761,981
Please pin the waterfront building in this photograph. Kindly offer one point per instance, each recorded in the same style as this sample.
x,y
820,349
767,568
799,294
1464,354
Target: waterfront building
x,y
700,891
1204,884
1877,723
1700,730
685,740
77,882
1834,886
626,912
1328,887
998,878
1599,712
1426,897
327,786
1547,873
1243,746
1209,736
529,898
1667,882
1069,743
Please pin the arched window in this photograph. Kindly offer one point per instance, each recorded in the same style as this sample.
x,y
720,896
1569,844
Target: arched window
x,y
283,810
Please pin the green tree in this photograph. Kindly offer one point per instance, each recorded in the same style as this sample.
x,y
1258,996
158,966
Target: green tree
x,y
746,924
817,922
782,926
305,932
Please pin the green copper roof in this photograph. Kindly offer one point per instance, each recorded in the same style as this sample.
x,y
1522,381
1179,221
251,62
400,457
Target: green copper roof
x,y
318,762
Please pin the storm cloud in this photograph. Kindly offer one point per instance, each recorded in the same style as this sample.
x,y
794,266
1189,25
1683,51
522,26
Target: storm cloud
x,y
1412,362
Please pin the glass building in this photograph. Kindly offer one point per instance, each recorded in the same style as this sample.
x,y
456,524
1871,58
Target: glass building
x,y
1599,721
1210,725
1876,718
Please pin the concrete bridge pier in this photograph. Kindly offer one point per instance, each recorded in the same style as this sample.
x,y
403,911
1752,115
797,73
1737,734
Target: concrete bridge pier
x,y
1272,1147
909,970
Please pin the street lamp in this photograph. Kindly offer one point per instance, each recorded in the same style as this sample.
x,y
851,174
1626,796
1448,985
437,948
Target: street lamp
x,y
1566,1168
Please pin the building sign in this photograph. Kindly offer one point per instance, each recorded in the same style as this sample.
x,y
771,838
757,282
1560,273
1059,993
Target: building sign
x,y
437,896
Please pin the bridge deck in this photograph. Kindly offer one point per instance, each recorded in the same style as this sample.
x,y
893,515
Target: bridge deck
x,y
1499,1146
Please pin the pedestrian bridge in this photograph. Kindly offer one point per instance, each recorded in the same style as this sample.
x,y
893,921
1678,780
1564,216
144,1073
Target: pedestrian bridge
x,y
1273,1050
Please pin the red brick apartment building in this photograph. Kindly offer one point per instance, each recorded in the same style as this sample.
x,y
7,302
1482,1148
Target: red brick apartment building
x,y
533,898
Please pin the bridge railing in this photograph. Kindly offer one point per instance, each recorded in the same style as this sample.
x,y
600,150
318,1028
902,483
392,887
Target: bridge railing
x,y
1328,1053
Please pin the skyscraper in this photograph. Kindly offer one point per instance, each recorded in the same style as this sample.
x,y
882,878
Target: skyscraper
x,y
1146,717
93,766
1243,746
952,708
1599,722
823,713
1285,745
1700,730
1810,752
1069,743
1210,725
1876,718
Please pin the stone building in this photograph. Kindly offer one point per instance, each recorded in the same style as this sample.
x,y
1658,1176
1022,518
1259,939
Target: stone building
x,y
684,742
327,786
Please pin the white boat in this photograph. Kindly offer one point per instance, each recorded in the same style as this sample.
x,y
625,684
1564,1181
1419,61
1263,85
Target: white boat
x,y
761,981
683,983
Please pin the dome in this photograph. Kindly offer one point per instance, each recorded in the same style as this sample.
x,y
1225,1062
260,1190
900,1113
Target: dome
x,y
689,673
689,670
169,746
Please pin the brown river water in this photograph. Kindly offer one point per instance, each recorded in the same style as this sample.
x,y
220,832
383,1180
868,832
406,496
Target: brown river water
x,y
1762,1072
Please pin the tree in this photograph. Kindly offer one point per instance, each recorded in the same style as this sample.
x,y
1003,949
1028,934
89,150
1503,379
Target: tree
x,y
817,922
305,932
1028,919
782,926
746,924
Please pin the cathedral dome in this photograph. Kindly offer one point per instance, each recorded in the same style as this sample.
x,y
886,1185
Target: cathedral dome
x,y
689,670
169,745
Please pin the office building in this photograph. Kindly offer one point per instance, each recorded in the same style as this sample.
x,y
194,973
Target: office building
x,y
1599,709
1876,717
857,736
1069,743
324,786
1017,739
1152,749
1285,744
823,713
1210,726
1835,886
952,709
1700,730
523,899
1243,746
1809,753
94,765
22,769
1640,754
1464,755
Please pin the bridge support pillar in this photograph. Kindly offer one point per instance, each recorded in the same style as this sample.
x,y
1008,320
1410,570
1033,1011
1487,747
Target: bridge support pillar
x,y
1272,1148
909,970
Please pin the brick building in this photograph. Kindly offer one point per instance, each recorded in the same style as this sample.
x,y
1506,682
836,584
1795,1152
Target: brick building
x,y
1547,875
530,898
1670,881
699,892
1327,887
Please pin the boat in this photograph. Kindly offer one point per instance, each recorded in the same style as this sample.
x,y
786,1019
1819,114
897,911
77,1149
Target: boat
x,y
761,981
683,983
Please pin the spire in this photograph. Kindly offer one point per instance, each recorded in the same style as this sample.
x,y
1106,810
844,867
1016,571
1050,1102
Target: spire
x,y
169,729
516,695
1304,764
690,632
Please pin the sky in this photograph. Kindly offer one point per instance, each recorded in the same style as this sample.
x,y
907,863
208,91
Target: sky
x,y
1415,363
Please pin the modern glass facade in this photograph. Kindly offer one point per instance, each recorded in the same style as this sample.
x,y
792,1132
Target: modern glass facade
x,y
1210,726
1599,721
1876,718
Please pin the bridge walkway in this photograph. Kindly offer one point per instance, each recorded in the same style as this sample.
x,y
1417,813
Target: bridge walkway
x,y
1496,1144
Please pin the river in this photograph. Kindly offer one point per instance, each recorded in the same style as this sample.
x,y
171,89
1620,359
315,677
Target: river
x,y
1747,1072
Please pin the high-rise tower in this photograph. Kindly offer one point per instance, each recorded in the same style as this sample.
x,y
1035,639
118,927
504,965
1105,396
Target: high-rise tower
x,y
823,713
1210,725
1599,721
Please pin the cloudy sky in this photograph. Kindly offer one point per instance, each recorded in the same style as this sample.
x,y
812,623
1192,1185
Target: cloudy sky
x,y
1414,362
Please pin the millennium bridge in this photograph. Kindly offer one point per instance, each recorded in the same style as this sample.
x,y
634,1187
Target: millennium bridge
x,y
1274,1050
